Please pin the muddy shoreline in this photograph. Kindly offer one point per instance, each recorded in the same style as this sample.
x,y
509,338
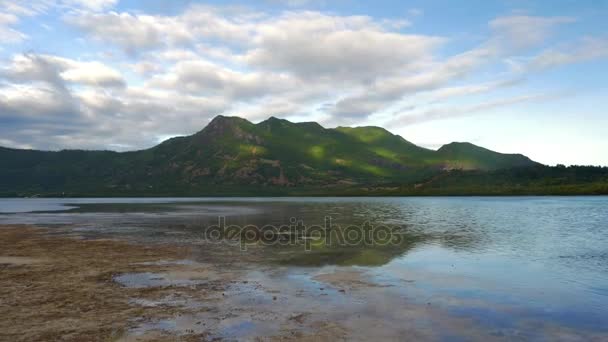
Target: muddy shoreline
x,y
60,286
65,288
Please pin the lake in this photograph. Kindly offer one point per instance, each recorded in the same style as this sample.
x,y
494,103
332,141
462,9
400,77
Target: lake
x,y
533,268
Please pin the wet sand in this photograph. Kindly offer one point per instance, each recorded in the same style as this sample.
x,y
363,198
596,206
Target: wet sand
x,y
64,288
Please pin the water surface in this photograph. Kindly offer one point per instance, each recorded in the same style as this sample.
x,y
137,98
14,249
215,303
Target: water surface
x,y
516,266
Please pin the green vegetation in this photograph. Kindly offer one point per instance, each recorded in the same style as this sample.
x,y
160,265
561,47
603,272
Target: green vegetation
x,y
234,157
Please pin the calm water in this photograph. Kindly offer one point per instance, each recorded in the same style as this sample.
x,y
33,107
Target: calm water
x,y
510,263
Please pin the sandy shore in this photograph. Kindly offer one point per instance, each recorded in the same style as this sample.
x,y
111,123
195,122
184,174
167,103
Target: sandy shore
x,y
64,288
57,287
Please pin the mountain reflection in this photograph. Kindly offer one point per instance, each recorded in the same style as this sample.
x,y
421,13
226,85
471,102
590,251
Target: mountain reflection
x,y
408,224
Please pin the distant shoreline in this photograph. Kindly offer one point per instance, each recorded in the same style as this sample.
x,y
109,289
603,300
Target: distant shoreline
x,y
303,196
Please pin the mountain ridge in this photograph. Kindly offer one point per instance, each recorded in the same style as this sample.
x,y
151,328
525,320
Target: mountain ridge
x,y
232,156
271,118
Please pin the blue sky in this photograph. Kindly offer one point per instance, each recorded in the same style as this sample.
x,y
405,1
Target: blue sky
x,y
514,76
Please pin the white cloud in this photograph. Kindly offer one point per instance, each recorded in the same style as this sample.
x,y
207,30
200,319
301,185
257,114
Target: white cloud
x,y
11,13
52,116
94,5
7,33
178,55
8,19
415,12
230,25
92,73
471,89
384,93
132,32
296,3
443,113
307,43
52,68
146,68
522,31
203,77
137,32
340,49
587,49
24,8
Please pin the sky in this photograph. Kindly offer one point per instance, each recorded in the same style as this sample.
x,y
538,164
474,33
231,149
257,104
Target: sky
x,y
514,76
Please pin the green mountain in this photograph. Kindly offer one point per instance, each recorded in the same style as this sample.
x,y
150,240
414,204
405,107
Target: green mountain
x,y
466,156
232,156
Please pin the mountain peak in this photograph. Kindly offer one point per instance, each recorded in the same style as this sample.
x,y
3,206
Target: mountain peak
x,y
273,120
223,122
457,145
223,126
370,134
221,119
306,124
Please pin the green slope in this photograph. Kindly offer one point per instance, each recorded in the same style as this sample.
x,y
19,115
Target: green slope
x,y
466,156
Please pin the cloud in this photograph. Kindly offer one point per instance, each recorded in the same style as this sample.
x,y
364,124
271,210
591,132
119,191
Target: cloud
x,y
203,77
587,49
509,34
25,102
24,8
42,116
435,75
11,13
164,75
136,33
93,5
340,49
522,31
57,70
7,33
38,106
471,89
33,68
272,107
92,73
145,68
345,48
443,113
415,12
296,3
36,7
133,33
52,102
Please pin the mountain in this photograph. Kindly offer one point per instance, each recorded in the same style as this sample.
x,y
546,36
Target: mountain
x,y
466,156
232,156
280,152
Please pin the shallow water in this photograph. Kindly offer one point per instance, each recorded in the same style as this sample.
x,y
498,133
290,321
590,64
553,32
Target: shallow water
x,y
519,267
